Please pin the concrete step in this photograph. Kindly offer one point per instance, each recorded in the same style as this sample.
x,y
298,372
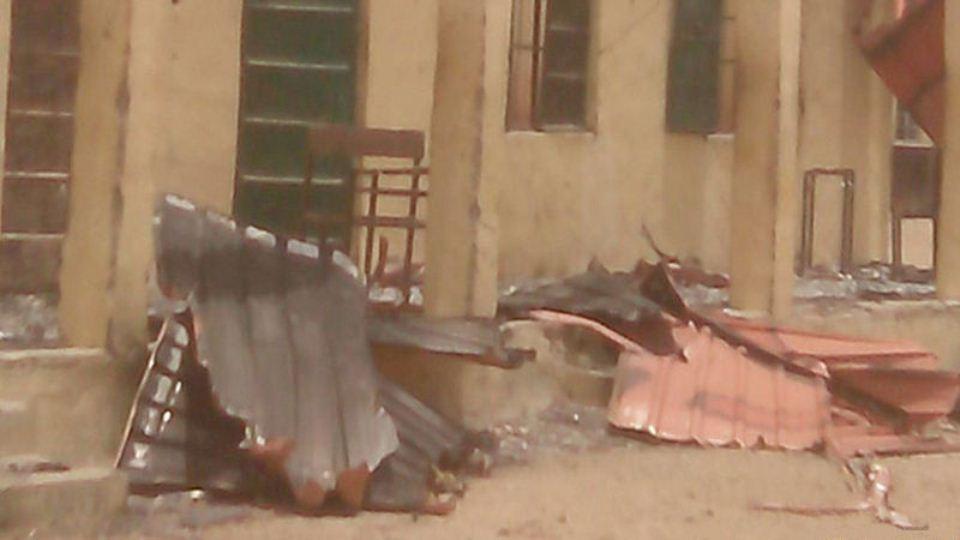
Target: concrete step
x,y
75,503
78,399
18,426
29,262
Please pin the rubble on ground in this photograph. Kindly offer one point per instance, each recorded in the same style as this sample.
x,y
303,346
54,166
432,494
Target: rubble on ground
x,y
262,385
28,321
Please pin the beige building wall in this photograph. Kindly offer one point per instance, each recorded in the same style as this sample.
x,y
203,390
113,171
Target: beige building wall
x,y
565,198
157,111
847,122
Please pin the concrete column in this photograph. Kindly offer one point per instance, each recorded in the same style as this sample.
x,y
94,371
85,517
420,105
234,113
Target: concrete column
x,y
948,223
96,198
6,12
765,184
462,220
156,111
868,133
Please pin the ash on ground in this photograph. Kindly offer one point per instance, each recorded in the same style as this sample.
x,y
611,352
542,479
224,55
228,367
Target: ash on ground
x,y
563,427
28,321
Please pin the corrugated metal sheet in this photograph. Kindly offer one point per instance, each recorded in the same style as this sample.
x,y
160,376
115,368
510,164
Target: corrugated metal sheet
x,y
282,331
178,438
908,54
832,349
921,394
717,395
479,339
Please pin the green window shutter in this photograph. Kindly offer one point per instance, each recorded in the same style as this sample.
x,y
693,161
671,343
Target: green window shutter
x,y
299,68
694,68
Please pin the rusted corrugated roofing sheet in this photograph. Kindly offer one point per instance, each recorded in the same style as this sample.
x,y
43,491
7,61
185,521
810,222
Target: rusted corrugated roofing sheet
x,y
908,54
733,382
832,349
922,394
717,395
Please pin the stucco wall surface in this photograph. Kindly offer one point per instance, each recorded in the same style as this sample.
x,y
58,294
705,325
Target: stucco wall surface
x,y
565,198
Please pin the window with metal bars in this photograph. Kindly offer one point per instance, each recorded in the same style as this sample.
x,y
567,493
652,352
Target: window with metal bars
x,y
44,65
549,65
299,68
693,79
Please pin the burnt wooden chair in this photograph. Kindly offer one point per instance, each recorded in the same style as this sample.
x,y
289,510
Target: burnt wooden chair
x,y
915,193
353,144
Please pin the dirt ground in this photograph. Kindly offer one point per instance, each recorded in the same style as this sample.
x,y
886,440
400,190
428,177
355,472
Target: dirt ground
x,y
639,491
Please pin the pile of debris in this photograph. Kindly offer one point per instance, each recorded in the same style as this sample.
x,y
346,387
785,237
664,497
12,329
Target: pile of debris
x,y
262,384
874,281
718,380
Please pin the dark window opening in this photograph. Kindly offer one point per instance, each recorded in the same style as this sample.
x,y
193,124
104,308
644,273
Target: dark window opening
x,y
299,68
44,66
693,80
549,64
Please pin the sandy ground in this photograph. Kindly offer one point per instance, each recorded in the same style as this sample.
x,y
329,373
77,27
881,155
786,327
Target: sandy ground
x,y
642,491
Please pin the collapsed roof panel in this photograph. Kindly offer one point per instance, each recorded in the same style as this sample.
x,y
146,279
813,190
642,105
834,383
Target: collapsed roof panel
x,y
282,332
719,396
263,384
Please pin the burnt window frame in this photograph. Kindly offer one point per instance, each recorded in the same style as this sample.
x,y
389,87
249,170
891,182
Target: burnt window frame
x,y
550,58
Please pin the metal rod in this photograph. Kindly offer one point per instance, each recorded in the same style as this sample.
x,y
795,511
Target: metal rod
x,y
411,234
371,228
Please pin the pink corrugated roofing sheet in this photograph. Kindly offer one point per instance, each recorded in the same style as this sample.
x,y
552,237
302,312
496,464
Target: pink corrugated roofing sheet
x,y
833,349
714,394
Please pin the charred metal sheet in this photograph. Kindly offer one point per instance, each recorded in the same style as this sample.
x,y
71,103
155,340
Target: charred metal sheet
x,y
596,293
613,299
479,339
432,450
719,396
282,332
265,381
176,438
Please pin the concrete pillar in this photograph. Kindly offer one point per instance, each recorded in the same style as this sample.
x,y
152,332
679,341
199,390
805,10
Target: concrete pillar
x,y
948,223
156,111
96,197
868,133
765,184
462,218
5,33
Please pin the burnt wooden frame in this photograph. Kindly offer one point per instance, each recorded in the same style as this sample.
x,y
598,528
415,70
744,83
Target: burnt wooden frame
x,y
847,179
355,143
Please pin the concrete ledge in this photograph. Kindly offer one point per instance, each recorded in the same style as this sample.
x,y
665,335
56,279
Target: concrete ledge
x,y
78,503
29,262
80,399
